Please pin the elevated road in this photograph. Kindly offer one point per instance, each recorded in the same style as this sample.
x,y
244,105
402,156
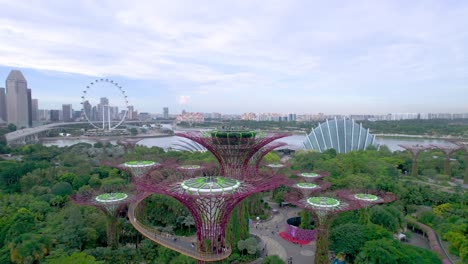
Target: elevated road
x,y
28,135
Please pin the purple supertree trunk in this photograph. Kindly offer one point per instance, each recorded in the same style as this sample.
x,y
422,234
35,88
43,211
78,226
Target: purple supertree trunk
x,y
234,154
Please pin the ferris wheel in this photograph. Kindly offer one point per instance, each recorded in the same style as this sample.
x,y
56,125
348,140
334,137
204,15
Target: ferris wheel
x,y
102,115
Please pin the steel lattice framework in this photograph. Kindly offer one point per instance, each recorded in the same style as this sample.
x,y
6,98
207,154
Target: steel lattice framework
x,y
233,152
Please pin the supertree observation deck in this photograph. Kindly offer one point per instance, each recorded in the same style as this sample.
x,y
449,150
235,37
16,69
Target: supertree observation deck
x,y
235,149
415,150
111,202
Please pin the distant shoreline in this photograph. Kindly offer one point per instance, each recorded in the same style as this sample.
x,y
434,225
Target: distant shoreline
x,y
448,138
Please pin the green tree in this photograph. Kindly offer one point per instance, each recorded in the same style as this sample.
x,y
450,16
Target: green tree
x,y
305,219
273,259
74,258
62,188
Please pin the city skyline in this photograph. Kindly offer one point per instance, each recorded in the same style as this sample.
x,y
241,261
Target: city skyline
x,y
299,57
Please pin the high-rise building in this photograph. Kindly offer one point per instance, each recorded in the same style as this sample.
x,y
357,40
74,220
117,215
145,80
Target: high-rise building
x,y
103,109
87,109
130,113
3,107
166,112
29,108
67,112
54,115
17,99
35,109
43,115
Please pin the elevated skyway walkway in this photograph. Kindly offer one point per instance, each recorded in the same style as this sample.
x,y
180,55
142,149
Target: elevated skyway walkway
x,y
181,245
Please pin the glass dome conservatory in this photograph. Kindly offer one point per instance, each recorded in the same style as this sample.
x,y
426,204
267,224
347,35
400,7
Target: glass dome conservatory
x,y
343,135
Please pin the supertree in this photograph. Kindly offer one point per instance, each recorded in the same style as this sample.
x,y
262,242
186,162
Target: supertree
x,y
325,206
447,150
212,197
111,201
415,150
305,184
464,145
138,168
128,143
234,150
366,199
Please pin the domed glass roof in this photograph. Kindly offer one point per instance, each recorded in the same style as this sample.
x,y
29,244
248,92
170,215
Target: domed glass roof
x,y
343,135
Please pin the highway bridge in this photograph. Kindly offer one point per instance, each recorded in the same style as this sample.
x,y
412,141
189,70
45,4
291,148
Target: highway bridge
x,y
33,134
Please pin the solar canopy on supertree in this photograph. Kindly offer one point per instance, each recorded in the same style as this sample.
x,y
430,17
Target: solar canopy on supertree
x,y
366,199
111,202
139,167
307,188
210,201
312,176
234,150
190,170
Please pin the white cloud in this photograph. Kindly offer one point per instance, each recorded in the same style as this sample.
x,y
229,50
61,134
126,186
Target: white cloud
x,y
183,99
202,47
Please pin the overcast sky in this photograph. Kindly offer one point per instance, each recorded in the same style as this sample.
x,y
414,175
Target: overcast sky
x,y
306,56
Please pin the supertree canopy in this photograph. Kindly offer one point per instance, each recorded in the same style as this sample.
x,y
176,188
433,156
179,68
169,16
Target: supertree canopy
x,y
139,168
234,149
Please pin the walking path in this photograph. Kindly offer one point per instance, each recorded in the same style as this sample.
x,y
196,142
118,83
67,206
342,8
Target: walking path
x,y
268,231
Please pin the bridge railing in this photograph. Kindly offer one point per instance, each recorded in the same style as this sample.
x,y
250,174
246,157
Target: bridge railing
x,y
184,246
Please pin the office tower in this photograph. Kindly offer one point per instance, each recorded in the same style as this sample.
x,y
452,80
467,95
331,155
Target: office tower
x,y
166,112
35,109
29,108
54,115
43,115
103,109
17,99
67,112
87,109
130,112
3,107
